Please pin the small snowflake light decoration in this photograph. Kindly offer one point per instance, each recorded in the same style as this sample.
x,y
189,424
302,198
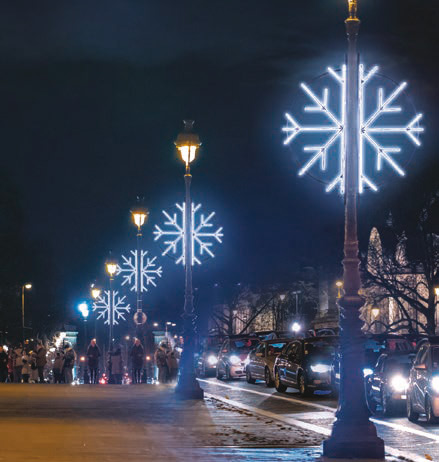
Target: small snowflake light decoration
x,y
102,306
203,237
368,128
131,268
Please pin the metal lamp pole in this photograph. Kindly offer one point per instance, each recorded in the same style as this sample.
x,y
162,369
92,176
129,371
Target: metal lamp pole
x,y
188,387
353,434
23,288
111,267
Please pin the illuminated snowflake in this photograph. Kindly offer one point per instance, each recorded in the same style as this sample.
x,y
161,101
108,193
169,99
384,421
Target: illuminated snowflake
x,y
202,240
120,307
368,128
130,271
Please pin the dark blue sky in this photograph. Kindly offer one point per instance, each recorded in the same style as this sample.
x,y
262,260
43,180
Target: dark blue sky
x,y
93,94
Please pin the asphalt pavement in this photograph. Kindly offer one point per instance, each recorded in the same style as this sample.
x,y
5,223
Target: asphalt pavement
x,y
417,442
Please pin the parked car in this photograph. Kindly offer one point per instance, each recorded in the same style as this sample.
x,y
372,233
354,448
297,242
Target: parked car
x,y
423,386
206,363
306,364
387,385
232,355
260,361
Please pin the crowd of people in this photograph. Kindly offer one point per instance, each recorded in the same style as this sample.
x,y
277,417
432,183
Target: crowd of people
x,y
26,364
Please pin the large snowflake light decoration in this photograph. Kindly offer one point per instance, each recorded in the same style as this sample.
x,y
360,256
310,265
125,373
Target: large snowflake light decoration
x,y
102,306
138,273
368,129
203,237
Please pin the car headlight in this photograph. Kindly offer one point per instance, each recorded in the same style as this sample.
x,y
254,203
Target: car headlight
x,y
399,383
367,371
435,384
234,359
212,360
321,368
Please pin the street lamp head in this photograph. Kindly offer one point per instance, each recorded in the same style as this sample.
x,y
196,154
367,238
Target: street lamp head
x,y
375,312
83,308
111,267
168,323
353,9
282,297
28,286
188,143
139,214
95,292
339,284
296,327
436,291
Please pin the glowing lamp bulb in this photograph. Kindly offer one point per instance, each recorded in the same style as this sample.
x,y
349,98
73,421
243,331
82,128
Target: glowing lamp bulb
x,y
28,286
139,218
95,292
83,308
296,327
111,268
375,312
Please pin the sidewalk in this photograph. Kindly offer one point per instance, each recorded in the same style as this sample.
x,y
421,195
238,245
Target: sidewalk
x,y
62,423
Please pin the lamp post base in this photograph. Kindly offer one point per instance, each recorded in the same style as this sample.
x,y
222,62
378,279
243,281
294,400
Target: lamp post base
x,y
353,441
189,388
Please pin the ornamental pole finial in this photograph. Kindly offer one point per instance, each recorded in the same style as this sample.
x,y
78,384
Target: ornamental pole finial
x,y
352,9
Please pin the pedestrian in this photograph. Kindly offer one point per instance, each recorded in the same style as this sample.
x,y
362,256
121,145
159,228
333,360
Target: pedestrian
x,y
17,356
160,360
136,354
4,358
69,362
116,366
172,363
58,366
93,354
41,361
26,370
33,367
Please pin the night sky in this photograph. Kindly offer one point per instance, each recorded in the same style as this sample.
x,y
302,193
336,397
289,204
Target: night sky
x,y
93,95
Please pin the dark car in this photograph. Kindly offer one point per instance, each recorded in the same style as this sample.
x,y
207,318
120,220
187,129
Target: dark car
x,y
387,385
306,364
206,363
260,361
423,387
232,356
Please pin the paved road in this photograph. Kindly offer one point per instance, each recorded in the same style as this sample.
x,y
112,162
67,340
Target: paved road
x,y
317,414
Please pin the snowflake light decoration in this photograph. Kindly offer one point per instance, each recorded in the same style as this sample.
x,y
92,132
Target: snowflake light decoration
x,y
102,306
202,240
368,128
131,268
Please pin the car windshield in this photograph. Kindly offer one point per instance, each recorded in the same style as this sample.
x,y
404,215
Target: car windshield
x,y
435,357
275,348
320,348
242,345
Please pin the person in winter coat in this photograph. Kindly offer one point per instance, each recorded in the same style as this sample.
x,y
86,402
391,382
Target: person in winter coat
x,y
58,366
41,361
4,358
69,362
93,354
136,354
161,363
17,356
172,363
26,370
116,365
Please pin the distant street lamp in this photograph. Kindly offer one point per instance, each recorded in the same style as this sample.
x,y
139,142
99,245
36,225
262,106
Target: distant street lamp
x,y
95,292
375,312
296,327
339,285
111,267
24,287
85,311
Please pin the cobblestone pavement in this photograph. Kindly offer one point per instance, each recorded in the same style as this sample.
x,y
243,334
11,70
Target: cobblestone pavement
x,y
416,442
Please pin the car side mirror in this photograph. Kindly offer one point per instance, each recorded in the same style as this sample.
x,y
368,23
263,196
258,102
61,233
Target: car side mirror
x,y
259,354
421,367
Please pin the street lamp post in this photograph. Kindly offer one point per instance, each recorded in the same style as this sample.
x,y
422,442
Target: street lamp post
x,y
188,387
24,287
85,311
353,434
139,215
111,267
95,293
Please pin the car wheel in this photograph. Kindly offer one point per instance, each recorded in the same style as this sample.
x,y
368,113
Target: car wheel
x,y
411,414
219,374
386,403
268,379
278,384
248,376
303,386
431,418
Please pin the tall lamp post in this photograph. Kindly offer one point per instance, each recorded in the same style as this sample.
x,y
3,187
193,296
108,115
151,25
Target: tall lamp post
x,y
85,311
188,387
353,434
95,293
140,215
111,267
24,287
